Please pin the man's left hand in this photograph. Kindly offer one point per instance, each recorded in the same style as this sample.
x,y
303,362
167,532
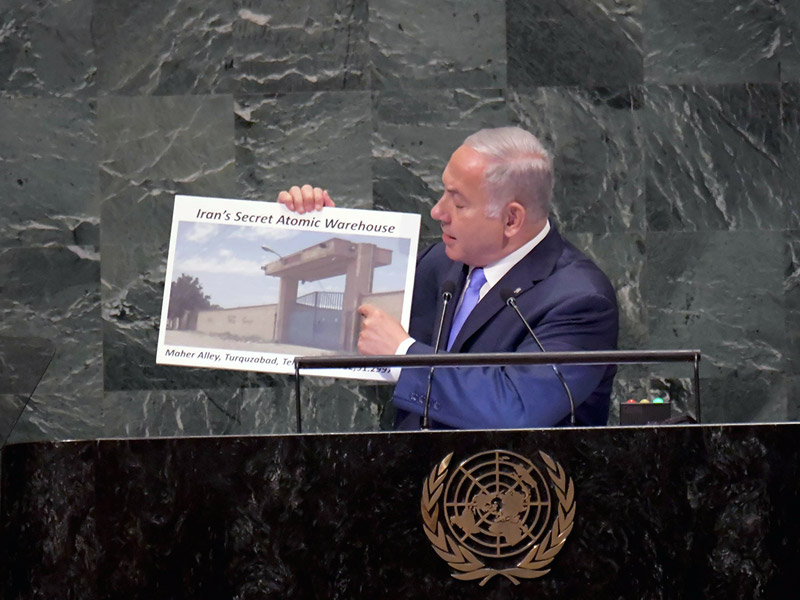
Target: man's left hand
x,y
380,332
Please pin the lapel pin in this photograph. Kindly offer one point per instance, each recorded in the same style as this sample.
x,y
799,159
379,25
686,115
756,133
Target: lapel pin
x,y
517,291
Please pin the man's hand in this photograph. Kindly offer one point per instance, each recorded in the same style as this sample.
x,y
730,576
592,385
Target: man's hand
x,y
305,199
380,332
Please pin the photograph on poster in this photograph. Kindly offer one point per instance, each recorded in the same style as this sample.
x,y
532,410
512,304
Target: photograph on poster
x,y
250,286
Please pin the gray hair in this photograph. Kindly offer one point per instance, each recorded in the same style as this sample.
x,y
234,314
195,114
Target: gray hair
x,y
520,169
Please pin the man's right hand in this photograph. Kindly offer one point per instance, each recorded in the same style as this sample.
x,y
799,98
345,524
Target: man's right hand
x,y
305,199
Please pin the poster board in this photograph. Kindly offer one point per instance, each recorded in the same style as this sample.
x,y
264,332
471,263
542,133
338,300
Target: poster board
x,y
252,285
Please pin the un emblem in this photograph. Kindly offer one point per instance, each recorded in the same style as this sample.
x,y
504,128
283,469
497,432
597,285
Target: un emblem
x,y
498,514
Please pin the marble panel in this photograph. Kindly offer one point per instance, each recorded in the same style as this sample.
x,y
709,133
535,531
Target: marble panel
x,y
327,406
622,258
706,41
790,157
301,46
571,42
11,407
134,247
745,397
208,412
164,48
793,398
23,363
416,131
714,158
791,290
790,37
46,48
180,144
69,470
152,148
596,142
332,406
321,138
48,172
66,415
53,293
719,292
451,43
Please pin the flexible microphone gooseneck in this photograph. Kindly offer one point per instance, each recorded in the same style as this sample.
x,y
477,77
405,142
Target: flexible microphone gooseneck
x,y
448,287
510,300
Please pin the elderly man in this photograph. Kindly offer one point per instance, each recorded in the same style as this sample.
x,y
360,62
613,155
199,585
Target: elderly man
x,y
497,242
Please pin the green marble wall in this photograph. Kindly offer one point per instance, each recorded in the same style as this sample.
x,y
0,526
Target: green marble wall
x,y
674,123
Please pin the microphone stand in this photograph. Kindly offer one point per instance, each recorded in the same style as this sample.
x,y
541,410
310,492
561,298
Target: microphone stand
x,y
502,359
447,293
511,301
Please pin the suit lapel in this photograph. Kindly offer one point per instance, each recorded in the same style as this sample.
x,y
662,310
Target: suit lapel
x,y
533,268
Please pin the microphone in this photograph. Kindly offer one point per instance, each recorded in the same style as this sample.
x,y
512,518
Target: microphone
x,y
508,297
448,288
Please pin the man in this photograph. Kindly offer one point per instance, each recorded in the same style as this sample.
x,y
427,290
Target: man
x,y
496,241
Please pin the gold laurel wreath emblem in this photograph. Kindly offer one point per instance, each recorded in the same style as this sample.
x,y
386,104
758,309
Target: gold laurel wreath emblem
x,y
470,567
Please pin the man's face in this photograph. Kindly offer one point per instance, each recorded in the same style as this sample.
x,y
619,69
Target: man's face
x,y
468,234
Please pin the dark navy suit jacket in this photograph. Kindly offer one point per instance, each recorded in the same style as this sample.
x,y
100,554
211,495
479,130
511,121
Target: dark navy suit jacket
x,y
567,300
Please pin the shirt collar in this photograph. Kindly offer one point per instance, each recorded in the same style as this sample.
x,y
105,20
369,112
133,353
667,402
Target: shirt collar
x,y
497,270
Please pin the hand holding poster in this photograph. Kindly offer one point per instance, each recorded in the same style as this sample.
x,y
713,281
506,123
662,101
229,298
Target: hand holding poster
x,y
251,285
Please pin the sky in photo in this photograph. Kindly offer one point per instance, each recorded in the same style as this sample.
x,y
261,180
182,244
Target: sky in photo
x,y
227,259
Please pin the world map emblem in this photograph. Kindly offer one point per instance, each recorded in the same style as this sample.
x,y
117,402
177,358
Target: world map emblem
x,y
498,513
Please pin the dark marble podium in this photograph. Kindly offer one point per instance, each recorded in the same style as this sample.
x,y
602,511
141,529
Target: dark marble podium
x,y
660,512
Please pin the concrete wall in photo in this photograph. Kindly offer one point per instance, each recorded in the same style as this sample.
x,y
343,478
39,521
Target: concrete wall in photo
x,y
391,302
245,322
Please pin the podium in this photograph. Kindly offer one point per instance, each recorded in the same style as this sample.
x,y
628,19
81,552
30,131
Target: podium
x,y
682,511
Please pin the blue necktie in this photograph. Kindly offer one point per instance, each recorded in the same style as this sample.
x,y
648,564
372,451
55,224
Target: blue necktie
x,y
468,302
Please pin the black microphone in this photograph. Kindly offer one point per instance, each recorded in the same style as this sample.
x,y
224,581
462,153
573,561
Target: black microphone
x,y
508,297
448,287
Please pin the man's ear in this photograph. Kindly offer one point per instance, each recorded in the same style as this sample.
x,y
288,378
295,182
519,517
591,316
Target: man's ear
x,y
514,216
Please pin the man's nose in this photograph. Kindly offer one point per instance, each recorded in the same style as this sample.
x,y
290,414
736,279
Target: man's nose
x,y
438,212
